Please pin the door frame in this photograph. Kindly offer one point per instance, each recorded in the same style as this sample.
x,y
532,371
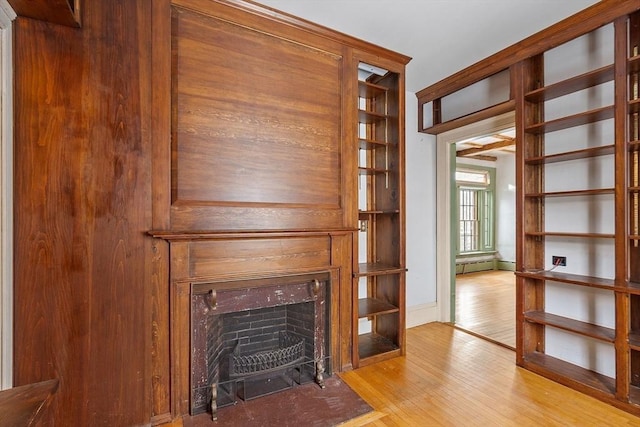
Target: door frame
x,y
445,184
7,15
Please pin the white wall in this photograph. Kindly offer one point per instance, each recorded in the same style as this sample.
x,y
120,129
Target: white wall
x,y
506,206
487,92
442,36
421,219
6,197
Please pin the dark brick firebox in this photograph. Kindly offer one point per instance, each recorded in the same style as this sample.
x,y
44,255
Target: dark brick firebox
x,y
252,316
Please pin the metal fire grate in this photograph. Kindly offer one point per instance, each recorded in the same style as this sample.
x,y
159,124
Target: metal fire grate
x,y
289,352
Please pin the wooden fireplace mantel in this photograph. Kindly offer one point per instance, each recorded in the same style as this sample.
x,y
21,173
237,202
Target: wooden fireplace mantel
x,y
173,236
256,173
244,263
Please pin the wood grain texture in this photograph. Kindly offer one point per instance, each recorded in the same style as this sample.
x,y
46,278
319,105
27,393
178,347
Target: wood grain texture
x,y
450,378
82,203
93,144
21,406
466,381
160,132
260,117
258,256
63,12
485,305
285,25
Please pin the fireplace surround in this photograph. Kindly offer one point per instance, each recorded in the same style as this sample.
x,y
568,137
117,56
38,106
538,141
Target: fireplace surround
x,y
214,266
257,337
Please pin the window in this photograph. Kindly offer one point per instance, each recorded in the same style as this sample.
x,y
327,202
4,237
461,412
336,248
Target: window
x,y
475,188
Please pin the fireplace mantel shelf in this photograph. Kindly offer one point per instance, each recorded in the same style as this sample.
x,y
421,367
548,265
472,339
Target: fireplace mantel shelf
x,y
172,235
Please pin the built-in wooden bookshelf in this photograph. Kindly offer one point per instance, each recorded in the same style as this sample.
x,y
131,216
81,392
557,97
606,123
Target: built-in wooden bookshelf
x,y
589,119
533,275
379,277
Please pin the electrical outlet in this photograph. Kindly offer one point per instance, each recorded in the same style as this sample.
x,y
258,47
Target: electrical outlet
x,y
559,261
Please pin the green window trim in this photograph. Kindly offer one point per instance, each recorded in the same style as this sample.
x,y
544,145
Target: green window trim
x,y
475,212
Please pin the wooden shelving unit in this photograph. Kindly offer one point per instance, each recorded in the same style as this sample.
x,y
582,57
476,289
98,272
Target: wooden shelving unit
x,y
584,153
534,323
575,89
591,192
571,325
571,85
571,279
587,117
379,276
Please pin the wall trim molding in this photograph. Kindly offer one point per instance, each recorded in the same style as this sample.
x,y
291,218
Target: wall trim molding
x,y
445,262
421,314
7,15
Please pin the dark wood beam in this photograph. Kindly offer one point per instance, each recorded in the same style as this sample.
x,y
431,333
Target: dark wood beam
x,y
507,142
483,157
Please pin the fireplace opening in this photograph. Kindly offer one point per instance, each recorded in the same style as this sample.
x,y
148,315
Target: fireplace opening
x,y
254,339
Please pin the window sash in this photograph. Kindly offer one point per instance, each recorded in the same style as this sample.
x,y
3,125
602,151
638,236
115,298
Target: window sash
x,y
475,220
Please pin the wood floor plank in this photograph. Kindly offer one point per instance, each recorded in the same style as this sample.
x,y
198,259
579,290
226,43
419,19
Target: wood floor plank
x,y
451,378
485,305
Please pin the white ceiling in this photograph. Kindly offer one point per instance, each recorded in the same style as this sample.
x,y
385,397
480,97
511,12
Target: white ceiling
x,y
442,36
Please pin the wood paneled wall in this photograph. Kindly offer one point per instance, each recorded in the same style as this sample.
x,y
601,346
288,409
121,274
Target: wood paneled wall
x,y
262,179
82,209
134,123
260,116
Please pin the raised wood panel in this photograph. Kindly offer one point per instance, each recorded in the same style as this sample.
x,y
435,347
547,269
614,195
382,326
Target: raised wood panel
x,y
181,347
249,218
341,306
160,339
262,256
257,129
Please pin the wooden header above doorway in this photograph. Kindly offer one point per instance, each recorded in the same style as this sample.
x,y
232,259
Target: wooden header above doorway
x,y
589,19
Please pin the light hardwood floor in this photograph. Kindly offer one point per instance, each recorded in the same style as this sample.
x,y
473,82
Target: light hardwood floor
x,y
451,378
485,305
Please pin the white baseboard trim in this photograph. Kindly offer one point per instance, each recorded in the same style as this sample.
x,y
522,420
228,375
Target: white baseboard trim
x,y
421,314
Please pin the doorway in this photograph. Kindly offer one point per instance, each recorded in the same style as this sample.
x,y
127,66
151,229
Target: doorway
x,y
484,248
476,211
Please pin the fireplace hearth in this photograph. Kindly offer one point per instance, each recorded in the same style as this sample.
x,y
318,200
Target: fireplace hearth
x,y
254,338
